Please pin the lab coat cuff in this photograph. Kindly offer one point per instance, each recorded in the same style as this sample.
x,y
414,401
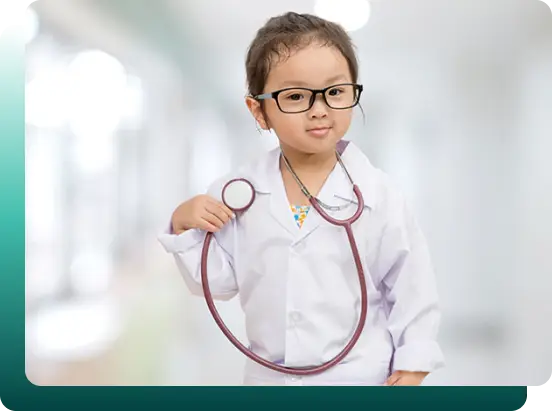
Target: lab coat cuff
x,y
421,356
179,243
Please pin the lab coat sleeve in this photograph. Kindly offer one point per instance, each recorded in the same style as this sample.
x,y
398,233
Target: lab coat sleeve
x,y
410,291
187,249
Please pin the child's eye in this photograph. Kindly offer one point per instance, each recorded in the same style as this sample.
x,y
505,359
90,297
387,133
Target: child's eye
x,y
295,96
335,91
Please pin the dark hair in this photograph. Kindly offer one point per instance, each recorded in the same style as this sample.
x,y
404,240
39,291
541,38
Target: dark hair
x,y
281,35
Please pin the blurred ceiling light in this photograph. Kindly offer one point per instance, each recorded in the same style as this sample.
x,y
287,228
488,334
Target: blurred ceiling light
x,y
351,14
72,331
98,98
30,25
40,190
133,103
46,97
97,83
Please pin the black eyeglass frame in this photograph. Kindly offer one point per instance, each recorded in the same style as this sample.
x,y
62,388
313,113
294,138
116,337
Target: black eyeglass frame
x,y
274,95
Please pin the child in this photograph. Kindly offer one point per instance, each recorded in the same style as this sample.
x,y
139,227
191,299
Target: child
x,y
294,272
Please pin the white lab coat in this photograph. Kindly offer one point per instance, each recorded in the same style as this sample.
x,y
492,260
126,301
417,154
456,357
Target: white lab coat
x,y
298,287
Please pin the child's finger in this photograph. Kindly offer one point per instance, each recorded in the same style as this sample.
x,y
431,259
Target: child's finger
x,y
226,210
207,226
222,206
393,379
217,212
397,381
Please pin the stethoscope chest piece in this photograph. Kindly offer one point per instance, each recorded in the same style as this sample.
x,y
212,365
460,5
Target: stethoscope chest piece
x,y
238,194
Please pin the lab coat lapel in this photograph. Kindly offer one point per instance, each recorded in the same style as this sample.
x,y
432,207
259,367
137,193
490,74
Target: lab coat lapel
x,y
338,191
280,207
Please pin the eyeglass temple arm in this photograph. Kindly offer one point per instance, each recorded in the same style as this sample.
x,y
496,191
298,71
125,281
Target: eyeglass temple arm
x,y
264,96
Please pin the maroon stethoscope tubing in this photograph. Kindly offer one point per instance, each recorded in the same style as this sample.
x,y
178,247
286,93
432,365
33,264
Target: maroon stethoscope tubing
x,y
347,224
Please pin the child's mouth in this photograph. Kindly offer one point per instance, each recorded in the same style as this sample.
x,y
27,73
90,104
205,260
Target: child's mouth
x,y
319,132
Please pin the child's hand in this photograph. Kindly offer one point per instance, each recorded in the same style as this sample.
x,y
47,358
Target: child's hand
x,y
203,212
406,378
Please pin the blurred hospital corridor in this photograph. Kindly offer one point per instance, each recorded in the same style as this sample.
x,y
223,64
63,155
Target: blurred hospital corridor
x,y
133,106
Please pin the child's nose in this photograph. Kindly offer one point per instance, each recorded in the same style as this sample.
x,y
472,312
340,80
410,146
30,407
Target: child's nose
x,y
319,108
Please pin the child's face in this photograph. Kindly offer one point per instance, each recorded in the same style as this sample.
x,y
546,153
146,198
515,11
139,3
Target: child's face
x,y
314,67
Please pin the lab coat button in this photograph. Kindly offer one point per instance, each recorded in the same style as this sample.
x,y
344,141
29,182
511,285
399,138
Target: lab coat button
x,y
294,380
295,316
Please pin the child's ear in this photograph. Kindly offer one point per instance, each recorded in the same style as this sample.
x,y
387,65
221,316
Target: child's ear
x,y
256,111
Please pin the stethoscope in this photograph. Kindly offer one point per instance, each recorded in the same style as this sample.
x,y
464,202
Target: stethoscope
x,y
238,195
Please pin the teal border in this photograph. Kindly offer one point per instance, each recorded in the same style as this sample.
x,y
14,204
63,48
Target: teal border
x,y
17,393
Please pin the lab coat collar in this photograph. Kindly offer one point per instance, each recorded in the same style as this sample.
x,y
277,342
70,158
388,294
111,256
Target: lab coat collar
x,y
337,190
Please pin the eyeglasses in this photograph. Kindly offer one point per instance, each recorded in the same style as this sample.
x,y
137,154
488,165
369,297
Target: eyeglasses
x,y
299,99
